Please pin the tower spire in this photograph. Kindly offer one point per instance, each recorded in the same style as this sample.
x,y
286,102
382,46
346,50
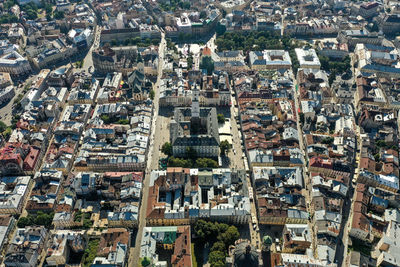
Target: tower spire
x,y
195,102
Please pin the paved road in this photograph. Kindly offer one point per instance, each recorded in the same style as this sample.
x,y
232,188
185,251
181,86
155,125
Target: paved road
x,y
342,246
211,43
88,61
307,179
236,153
152,161
237,157
6,110
343,238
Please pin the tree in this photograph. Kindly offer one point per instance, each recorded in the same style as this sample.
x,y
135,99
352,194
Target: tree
x,y
30,5
206,163
218,264
190,62
152,94
201,163
167,149
7,133
327,140
224,147
207,64
8,4
23,221
58,15
105,118
114,42
208,231
44,219
90,253
123,121
179,162
135,40
185,5
222,227
31,14
145,262
216,258
3,126
380,143
8,18
230,236
221,118
41,218
218,246
155,41
203,14
332,77
48,8
324,62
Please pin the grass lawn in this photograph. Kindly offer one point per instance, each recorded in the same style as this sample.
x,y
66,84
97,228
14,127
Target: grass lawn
x,y
194,260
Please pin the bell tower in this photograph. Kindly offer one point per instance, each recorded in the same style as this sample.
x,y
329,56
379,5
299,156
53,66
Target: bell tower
x,y
195,102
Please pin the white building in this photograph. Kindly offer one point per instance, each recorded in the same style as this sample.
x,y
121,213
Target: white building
x,y
270,59
12,200
14,64
6,94
184,24
298,260
388,246
307,58
62,242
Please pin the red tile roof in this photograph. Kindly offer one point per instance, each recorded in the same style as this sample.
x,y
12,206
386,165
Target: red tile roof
x,y
206,51
31,159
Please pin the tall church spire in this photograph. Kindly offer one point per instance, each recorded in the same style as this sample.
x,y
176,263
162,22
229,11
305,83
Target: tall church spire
x,y
195,102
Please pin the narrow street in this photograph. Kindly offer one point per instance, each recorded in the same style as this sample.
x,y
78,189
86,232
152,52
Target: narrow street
x,y
152,160
342,246
238,158
306,178
236,153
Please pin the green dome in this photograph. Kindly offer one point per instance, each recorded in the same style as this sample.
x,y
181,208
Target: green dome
x,y
267,240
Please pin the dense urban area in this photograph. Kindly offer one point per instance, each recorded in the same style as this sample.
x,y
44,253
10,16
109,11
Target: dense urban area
x,y
185,133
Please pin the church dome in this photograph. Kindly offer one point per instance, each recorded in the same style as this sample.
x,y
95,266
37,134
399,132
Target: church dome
x,y
245,255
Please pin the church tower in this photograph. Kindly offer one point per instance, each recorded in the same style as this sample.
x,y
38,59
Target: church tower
x,y
195,102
